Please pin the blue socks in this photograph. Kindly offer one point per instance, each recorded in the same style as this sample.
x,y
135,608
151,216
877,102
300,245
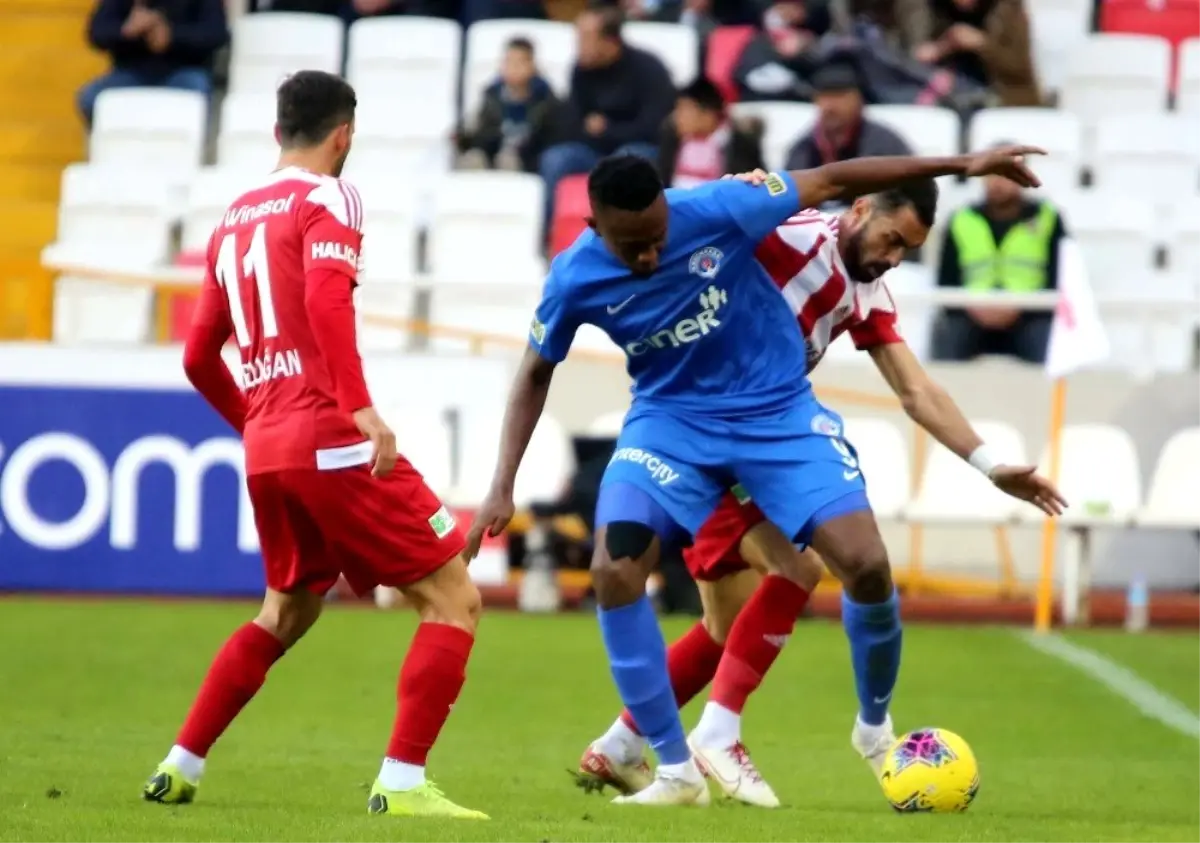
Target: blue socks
x,y
875,635
637,655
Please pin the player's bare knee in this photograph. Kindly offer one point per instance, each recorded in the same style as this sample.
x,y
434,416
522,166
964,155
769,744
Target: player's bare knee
x,y
625,552
447,596
869,576
289,616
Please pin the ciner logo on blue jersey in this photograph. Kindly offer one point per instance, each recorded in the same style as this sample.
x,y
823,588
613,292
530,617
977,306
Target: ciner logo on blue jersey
x,y
659,469
706,262
685,330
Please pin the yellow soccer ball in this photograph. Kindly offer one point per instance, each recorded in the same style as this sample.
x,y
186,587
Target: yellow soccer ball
x,y
930,770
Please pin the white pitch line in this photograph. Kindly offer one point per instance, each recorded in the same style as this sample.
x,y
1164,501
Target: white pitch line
x,y
1120,680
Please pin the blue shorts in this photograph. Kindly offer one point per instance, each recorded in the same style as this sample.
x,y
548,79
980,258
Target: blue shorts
x,y
794,464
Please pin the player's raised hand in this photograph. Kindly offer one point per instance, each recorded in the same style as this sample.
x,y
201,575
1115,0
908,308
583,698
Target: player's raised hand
x,y
1007,161
493,516
372,426
754,177
1023,481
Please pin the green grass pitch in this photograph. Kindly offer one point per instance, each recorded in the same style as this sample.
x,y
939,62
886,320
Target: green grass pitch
x,y
91,694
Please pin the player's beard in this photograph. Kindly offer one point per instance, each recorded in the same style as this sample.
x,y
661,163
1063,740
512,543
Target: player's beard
x,y
853,256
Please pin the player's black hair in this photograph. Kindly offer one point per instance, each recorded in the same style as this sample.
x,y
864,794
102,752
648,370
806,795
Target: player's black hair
x,y
704,94
612,19
310,104
522,43
624,182
920,194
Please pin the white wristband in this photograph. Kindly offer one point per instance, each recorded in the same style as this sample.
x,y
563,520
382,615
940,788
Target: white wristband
x,y
983,460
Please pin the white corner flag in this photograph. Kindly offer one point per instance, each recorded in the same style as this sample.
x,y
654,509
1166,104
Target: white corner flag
x,y
1077,337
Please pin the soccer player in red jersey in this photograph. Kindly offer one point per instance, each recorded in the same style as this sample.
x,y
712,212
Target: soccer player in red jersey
x,y
331,495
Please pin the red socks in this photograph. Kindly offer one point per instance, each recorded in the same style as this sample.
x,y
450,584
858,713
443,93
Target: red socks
x,y
691,662
235,676
756,639
430,680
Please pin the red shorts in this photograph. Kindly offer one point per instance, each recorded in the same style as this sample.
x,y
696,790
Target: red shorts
x,y
316,525
714,551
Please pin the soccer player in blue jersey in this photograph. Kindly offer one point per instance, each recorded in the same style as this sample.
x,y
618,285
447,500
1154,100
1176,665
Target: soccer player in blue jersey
x,y
720,397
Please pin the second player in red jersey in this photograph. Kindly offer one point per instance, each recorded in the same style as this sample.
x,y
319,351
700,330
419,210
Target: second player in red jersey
x,y
331,495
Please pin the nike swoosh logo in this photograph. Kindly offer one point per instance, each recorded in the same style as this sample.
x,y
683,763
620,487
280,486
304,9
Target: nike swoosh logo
x,y
850,475
882,700
614,310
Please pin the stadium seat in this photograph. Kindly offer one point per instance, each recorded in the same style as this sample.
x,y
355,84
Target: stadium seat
x,y
268,47
952,492
1058,132
1155,157
571,208
155,130
676,44
1056,29
427,65
607,425
1114,73
883,456
423,436
407,134
915,318
785,123
1102,492
1118,238
209,194
389,230
1173,20
486,229
246,138
385,313
1187,89
109,217
545,470
929,130
554,50
724,49
1175,485
90,312
1183,252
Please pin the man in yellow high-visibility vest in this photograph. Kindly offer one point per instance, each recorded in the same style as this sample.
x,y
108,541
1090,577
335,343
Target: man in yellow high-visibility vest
x,y
1010,241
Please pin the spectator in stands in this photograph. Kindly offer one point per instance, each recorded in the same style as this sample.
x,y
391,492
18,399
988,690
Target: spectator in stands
x,y
1009,241
156,43
902,24
841,131
515,118
620,96
700,141
777,64
987,41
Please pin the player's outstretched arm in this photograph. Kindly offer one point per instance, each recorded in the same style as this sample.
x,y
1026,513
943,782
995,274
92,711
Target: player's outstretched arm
x,y
930,406
526,400
846,180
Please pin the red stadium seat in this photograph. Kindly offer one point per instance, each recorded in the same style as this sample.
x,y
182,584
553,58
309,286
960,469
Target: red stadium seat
x,y
571,207
725,47
1174,20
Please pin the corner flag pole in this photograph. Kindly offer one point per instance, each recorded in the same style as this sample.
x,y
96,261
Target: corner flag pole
x,y
1045,592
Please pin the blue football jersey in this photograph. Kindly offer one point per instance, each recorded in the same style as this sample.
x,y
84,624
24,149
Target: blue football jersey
x,y
709,331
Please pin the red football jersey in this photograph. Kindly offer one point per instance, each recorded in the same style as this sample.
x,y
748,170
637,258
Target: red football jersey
x,y
265,257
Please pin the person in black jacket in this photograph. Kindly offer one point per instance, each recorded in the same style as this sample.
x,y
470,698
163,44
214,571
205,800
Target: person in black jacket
x,y
700,142
163,43
618,101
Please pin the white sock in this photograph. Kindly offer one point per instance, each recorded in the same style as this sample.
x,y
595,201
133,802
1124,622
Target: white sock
x,y
718,727
687,771
190,765
399,775
873,733
621,743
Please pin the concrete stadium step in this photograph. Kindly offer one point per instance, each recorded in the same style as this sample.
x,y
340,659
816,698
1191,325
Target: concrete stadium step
x,y
26,299
48,142
26,226
40,182
46,28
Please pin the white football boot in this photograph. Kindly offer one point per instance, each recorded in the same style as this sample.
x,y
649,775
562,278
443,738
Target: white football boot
x,y
599,769
735,773
675,784
873,742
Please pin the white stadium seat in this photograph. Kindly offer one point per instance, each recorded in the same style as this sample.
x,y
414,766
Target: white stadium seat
x,y
1113,73
268,47
928,130
1187,95
209,195
1117,235
545,470
1175,486
1183,225
1055,31
784,122
427,63
407,135
109,217
389,229
915,320
1155,157
156,130
676,44
88,312
952,491
246,138
423,436
1058,132
1100,491
883,456
554,52
486,229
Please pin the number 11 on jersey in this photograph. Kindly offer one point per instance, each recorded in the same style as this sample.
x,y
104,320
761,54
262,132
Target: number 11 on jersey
x,y
254,266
